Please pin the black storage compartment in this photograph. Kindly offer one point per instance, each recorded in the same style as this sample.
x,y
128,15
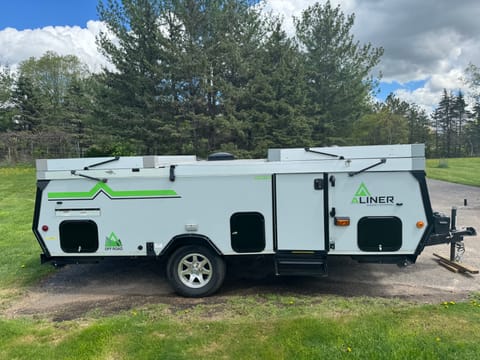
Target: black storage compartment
x,y
247,232
441,223
379,233
79,236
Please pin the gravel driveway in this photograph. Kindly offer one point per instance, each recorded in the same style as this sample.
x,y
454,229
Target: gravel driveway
x,y
112,286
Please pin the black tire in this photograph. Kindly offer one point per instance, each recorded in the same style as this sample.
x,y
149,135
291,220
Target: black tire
x,y
195,271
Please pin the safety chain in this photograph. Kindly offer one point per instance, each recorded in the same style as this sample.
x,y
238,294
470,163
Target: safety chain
x,y
460,251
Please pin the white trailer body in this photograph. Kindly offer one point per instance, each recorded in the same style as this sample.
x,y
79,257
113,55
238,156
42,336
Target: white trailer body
x,y
298,205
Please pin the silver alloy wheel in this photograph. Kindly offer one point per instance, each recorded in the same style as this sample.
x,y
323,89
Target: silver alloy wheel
x,y
194,270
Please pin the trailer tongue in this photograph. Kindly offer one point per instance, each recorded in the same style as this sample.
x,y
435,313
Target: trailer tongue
x,y
299,206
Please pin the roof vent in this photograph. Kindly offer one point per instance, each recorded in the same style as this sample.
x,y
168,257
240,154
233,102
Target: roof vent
x,y
220,156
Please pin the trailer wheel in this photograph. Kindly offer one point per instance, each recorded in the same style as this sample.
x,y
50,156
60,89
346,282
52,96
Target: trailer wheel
x,y
195,271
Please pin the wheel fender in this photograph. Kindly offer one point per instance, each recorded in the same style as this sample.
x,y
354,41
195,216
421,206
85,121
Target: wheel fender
x,y
188,239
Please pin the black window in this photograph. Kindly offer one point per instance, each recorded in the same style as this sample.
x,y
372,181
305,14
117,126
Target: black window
x,y
247,232
379,233
79,236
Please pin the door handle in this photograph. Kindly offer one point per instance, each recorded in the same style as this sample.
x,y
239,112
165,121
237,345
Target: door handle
x,y
332,180
333,212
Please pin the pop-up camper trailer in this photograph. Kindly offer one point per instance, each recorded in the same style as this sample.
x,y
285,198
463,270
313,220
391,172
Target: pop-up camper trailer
x,y
299,206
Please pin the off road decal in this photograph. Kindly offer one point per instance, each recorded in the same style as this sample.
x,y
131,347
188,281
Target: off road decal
x,y
112,242
101,187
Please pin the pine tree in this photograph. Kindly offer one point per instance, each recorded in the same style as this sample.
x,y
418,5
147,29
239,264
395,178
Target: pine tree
x,y
472,132
181,67
29,107
135,95
275,98
337,71
461,116
444,125
418,123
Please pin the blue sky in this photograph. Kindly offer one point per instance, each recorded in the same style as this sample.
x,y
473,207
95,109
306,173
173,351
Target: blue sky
x,y
32,14
428,44
387,88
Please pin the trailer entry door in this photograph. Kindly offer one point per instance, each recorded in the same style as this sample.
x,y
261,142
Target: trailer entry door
x,y
300,223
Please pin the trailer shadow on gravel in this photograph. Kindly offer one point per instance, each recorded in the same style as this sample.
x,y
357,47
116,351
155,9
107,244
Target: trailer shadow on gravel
x,y
141,277
423,282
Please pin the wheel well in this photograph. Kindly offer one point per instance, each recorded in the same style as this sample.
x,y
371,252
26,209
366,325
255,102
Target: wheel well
x,y
188,239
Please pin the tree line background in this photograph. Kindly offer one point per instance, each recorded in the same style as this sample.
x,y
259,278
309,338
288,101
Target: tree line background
x,y
199,76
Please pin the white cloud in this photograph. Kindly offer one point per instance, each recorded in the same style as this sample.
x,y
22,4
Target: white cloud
x,y
17,46
448,80
424,97
428,39
288,9
428,96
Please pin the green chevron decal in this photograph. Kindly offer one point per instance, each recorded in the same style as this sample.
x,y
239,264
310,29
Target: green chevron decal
x,y
101,187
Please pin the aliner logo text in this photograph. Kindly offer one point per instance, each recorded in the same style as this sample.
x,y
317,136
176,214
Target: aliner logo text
x,y
363,196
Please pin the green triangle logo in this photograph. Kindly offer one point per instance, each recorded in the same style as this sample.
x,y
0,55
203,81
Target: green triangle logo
x,y
113,241
362,190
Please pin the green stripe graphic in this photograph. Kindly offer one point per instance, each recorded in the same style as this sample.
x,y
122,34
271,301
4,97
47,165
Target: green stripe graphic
x,y
102,187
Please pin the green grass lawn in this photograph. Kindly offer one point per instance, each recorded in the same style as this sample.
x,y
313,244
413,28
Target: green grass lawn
x,y
462,171
256,327
268,326
19,251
